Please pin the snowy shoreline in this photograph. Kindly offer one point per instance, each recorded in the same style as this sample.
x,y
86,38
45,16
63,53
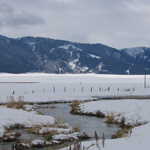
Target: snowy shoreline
x,y
19,119
134,112
10,117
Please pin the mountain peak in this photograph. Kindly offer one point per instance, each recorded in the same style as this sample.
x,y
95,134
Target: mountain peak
x,y
135,51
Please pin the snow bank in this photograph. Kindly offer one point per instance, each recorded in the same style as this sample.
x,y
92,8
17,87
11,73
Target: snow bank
x,y
65,137
134,111
11,117
45,130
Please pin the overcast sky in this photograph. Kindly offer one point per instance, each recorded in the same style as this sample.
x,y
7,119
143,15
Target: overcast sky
x,y
117,23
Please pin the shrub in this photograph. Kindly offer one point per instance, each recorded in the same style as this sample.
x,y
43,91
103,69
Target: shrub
x,y
76,129
16,126
49,135
121,133
33,130
122,123
110,119
100,114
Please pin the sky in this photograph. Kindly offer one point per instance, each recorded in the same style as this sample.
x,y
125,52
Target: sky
x,y
117,23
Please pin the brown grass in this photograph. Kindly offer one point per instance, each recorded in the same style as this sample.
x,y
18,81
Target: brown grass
x,y
76,129
33,130
15,104
75,107
110,119
123,132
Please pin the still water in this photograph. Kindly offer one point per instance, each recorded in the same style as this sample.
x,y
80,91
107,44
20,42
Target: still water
x,y
86,124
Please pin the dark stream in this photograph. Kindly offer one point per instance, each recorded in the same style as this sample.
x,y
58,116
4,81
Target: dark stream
x,y
86,124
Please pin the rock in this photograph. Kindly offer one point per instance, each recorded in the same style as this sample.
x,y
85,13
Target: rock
x,y
64,125
65,137
83,136
48,143
40,143
54,142
46,130
35,143
70,137
22,146
100,114
11,136
9,139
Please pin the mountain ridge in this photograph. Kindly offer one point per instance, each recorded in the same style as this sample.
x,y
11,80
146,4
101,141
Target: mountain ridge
x,y
38,54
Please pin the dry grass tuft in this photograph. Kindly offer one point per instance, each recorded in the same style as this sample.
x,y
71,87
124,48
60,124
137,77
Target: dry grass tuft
x,y
48,136
75,107
110,119
15,104
76,129
123,132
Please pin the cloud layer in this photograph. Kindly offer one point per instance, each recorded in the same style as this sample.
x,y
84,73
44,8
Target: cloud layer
x,y
118,23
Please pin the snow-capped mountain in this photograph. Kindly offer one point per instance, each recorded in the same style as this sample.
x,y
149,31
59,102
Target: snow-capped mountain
x,y
139,59
29,54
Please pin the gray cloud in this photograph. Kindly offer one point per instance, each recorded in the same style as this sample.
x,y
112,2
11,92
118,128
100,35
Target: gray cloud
x,y
23,19
118,23
11,18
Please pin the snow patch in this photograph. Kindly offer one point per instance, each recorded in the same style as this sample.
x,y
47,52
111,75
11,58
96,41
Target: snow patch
x,y
100,66
83,69
72,64
69,46
64,137
94,56
45,130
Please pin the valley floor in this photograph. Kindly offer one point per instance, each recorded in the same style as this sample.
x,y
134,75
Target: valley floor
x,y
42,88
81,87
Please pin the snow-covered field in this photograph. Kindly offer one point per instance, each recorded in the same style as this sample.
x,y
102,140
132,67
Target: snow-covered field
x,y
46,87
132,110
40,87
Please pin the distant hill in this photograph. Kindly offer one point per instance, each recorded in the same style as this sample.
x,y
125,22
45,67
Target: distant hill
x,y
29,54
